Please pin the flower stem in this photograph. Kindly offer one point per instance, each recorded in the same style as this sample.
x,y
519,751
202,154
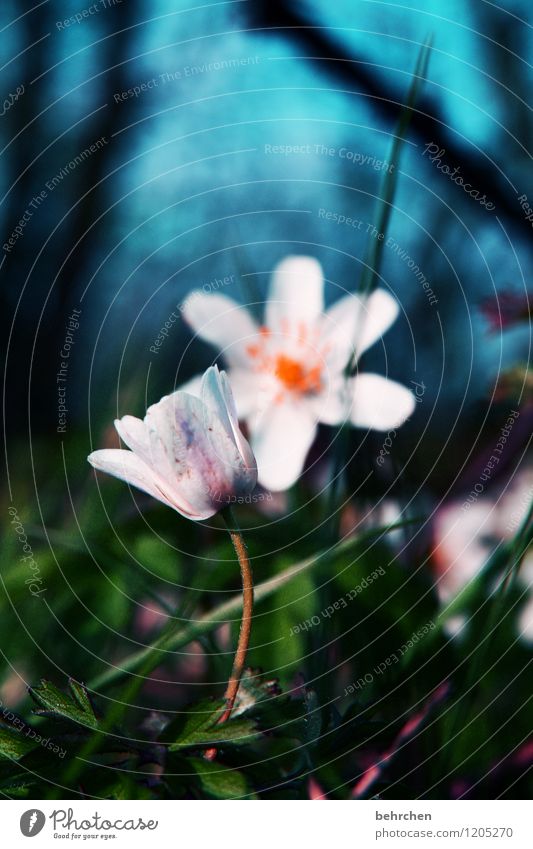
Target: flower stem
x,y
246,621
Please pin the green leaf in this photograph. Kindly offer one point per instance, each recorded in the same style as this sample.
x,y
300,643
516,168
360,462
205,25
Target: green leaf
x,y
20,791
13,745
220,782
54,703
18,785
198,728
234,732
200,715
80,694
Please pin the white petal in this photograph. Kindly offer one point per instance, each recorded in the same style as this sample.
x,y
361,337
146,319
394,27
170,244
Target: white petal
x,y
221,321
380,311
525,622
296,295
333,405
460,544
354,324
379,403
193,386
217,396
340,327
246,388
133,433
196,453
126,466
281,437
212,395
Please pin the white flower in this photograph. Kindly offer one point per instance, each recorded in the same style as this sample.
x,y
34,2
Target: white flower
x,y
289,375
465,538
187,452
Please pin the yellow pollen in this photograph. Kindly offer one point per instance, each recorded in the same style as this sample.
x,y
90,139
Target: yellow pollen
x,y
295,376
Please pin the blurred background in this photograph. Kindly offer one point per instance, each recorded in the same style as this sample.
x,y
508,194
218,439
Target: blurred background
x,y
152,149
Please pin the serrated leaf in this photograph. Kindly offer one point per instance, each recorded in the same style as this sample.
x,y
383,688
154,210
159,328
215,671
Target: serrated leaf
x,y
55,703
235,732
220,782
13,745
80,694
18,791
203,714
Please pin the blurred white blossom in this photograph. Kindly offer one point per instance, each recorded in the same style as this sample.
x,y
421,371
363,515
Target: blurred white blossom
x,y
290,374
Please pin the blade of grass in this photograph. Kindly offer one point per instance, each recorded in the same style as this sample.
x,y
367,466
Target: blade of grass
x,y
514,551
370,274
148,658
372,265
152,655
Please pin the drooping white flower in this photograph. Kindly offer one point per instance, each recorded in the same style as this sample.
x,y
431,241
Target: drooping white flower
x,y
188,452
289,375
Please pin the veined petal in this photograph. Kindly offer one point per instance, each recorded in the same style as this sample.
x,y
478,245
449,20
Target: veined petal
x,y
212,395
296,295
217,396
281,437
133,433
195,451
188,452
128,467
242,443
193,386
222,322
379,403
244,385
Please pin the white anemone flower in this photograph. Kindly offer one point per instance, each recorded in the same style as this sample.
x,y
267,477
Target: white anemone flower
x,y
288,375
465,535
188,452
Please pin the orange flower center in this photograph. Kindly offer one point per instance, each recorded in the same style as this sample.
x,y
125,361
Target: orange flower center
x,y
295,376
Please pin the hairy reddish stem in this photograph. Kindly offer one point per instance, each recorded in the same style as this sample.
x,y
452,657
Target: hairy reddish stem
x,y
246,623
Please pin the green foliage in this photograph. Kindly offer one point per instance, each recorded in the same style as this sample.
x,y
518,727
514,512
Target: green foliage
x,y
13,745
75,707
220,782
199,728
281,733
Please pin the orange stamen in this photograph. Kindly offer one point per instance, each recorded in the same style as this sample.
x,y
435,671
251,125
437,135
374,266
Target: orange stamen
x,y
296,377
